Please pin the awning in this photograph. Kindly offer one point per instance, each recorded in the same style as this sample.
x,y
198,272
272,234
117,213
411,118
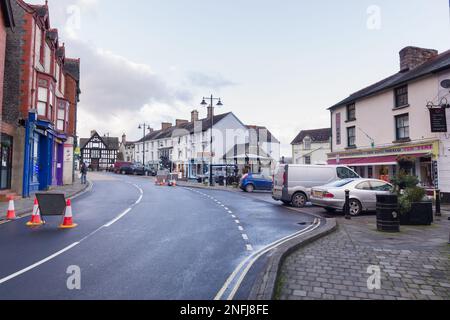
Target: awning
x,y
372,161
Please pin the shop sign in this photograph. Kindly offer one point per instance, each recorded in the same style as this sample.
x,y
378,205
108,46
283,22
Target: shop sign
x,y
394,150
435,172
438,118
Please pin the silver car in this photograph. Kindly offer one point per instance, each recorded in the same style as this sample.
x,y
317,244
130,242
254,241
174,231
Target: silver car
x,y
363,195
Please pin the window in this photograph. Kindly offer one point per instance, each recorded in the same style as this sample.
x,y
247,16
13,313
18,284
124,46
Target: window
x,y
307,159
351,112
402,127
346,173
364,186
401,96
381,186
307,142
50,104
351,137
61,119
42,101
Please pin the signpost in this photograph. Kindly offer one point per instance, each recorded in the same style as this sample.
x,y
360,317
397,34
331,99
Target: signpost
x,y
51,204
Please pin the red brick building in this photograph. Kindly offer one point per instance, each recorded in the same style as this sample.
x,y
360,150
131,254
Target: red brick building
x,y
35,98
7,129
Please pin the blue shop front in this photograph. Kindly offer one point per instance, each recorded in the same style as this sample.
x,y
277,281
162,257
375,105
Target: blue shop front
x,y
42,160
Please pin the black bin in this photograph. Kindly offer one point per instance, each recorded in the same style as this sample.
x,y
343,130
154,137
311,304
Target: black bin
x,y
388,216
221,180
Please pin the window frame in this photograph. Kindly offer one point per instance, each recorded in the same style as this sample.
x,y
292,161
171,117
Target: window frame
x,y
351,107
401,96
351,145
307,143
398,128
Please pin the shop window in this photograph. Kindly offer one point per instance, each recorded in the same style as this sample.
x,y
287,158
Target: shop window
x,y
351,137
402,127
42,101
401,96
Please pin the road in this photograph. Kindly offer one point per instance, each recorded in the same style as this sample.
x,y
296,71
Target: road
x,y
139,241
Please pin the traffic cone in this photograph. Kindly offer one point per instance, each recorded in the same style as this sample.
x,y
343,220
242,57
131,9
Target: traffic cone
x,y
36,220
11,215
68,217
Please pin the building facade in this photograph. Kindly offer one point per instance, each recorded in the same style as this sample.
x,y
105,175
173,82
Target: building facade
x,y
186,146
312,146
386,127
126,150
35,89
7,124
99,153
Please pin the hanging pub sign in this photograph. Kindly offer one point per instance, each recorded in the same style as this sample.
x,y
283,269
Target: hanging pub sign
x,y
438,117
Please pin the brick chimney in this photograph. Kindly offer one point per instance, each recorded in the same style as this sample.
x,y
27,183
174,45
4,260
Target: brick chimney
x,y
179,122
194,116
412,57
166,125
210,112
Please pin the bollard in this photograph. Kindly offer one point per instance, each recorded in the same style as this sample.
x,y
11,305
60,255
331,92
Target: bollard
x,y
438,203
347,205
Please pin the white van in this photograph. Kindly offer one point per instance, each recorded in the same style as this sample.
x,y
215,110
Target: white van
x,y
292,183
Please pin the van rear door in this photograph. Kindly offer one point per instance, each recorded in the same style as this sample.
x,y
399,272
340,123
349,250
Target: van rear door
x,y
278,182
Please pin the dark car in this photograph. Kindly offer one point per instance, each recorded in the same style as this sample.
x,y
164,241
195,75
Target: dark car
x,y
251,182
118,166
127,169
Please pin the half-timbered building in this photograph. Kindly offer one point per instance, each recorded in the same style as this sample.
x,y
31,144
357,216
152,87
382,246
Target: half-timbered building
x,y
99,153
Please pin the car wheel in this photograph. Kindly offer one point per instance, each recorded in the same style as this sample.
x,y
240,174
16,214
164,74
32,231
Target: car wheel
x,y
355,207
250,188
299,200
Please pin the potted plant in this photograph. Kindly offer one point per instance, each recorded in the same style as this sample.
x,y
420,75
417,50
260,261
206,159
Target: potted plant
x,y
414,207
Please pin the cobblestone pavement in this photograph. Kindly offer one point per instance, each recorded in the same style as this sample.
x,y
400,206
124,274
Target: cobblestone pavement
x,y
24,206
415,264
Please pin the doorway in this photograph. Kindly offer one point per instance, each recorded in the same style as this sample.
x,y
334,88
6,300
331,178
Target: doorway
x,y
5,161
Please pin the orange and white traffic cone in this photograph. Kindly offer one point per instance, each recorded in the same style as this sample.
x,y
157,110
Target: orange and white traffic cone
x,y
68,217
36,220
11,215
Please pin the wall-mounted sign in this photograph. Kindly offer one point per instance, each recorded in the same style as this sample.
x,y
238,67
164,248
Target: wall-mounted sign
x,y
338,129
435,169
445,84
438,118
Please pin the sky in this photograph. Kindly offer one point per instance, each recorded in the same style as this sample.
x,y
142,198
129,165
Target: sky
x,y
279,64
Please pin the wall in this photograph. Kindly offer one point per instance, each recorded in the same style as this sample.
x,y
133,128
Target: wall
x,y
318,152
379,110
444,152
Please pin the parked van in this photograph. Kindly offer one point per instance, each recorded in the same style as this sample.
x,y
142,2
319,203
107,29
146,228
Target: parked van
x,y
292,183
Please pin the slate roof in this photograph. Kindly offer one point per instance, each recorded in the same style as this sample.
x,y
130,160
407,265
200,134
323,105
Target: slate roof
x,y
259,130
111,143
182,128
317,135
434,65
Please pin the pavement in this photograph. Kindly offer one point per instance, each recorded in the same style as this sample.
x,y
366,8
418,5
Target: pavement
x,y
414,264
135,240
24,206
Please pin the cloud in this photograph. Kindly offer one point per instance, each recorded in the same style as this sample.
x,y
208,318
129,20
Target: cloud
x,y
215,81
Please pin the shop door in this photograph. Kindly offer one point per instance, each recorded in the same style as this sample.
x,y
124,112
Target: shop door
x,y
5,162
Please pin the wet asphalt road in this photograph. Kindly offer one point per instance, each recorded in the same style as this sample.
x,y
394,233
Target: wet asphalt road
x,y
139,241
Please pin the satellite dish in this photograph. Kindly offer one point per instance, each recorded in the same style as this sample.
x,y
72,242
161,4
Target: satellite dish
x,y
445,84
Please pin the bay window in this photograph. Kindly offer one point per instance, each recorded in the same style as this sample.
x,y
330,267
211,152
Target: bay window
x,y
42,101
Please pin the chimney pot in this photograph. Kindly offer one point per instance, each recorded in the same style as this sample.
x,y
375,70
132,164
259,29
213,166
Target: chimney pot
x,y
413,57
194,116
166,125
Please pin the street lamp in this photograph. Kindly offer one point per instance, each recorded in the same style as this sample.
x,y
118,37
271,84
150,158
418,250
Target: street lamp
x,y
205,104
144,127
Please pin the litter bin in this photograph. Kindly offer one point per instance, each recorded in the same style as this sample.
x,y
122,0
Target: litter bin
x,y
388,216
221,180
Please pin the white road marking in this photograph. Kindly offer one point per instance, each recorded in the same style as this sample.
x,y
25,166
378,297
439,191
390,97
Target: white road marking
x,y
245,237
37,264
249,247
251,260
241,228
237,222
233,216
123,214
229,211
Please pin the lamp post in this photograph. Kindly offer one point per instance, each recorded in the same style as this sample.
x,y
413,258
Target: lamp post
x,y
219,104
143,127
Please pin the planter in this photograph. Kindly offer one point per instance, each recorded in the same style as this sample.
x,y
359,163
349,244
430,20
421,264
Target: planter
x,y
388,218
421,214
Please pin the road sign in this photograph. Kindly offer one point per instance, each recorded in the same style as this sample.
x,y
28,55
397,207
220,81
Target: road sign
x,y
51,204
